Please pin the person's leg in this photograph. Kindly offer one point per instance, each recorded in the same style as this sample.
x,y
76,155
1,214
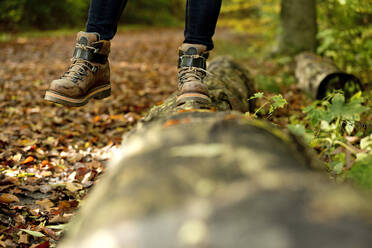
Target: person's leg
x,y
201,19
200,24
104,16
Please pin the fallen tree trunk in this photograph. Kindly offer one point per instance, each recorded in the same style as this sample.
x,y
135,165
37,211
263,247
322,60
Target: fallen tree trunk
x,y
320,76
191,177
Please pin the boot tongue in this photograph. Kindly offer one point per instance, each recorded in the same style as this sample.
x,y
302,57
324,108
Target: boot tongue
x,y
87,39
191,51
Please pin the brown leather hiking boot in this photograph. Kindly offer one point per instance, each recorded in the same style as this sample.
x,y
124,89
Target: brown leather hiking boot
x,y
87,77
191,72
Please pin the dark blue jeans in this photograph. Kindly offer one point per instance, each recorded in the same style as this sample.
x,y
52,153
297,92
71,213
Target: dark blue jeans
x,y
200,21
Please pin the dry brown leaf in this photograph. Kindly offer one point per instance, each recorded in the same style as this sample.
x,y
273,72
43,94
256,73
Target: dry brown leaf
x,y
27,142
46,173
117,117
45,163
17,157
23,238
35,211
9,180
2,188
17,191
73,187
75,157
20,219
8,198
96,119
44,244
95,164
50,233
9,243
30,188
46,204
67,205
132,117
29,159
45,188
60,219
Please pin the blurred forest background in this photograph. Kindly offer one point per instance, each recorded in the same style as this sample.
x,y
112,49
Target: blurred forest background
x,y
344,26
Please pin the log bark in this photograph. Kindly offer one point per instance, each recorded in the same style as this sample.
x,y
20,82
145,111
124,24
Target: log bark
x,y
189,177
319,76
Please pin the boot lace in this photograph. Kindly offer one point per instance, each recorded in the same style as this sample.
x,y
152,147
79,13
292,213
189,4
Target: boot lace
x,y
79,67
188,74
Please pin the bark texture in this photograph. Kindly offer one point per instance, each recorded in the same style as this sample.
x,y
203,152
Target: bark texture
x,y
298,26
190,177
319,75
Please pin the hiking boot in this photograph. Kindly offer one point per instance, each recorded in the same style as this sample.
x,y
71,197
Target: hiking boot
x,y
191,72
87,77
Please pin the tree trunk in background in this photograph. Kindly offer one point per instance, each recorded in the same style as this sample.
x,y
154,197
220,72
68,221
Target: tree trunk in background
x,y
298,26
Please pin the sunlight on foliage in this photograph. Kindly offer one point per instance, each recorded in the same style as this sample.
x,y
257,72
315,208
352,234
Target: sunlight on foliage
x,y
345,34
335,127
24,15
269,105
256,17
344,29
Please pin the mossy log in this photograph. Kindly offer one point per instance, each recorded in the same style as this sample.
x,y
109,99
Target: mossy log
x,y
204,178
318,76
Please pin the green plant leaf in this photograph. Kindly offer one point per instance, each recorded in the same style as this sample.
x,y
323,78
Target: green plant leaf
x,y
300,130
314,114
349,127
278,101
366,142
257,95
337,166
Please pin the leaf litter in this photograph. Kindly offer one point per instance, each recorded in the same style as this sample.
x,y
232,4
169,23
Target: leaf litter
x,y
51,155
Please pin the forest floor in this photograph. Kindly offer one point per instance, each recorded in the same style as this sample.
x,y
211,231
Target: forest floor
x,y
51,155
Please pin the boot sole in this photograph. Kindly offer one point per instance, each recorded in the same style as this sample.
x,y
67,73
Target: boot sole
x,y
96,93
197,97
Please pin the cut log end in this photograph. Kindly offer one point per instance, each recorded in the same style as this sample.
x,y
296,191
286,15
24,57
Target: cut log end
x,y
320,76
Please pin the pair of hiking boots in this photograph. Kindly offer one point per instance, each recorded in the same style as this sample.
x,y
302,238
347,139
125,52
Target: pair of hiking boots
x,y
89,74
